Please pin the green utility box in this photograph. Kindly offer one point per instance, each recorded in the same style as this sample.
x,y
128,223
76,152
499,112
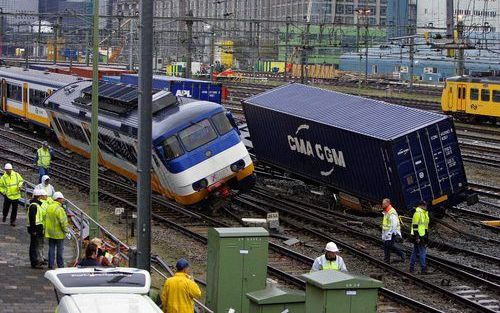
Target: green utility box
x,y
339,292
237,265
276,300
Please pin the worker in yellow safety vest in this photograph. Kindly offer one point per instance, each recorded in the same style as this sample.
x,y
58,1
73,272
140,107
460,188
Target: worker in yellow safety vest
x,y
391,229
10,187
420,237
330,260
56,229
179,291
36,219
43,157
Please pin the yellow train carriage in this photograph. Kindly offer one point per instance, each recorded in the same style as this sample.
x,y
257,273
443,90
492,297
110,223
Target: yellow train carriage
x,y
475,99
22,91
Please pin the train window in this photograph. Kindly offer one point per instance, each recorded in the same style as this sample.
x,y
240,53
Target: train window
x,y
474,94
15,92
73,131
221,123
496,96
172,148
485,95
117,148
197,135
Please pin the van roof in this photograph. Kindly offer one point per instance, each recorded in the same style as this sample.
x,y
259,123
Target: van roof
x,y
123,303
122,280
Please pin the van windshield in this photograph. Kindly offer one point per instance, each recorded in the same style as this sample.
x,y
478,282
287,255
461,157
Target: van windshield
x,y
197,135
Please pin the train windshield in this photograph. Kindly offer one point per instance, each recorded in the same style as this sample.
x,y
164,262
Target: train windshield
x,y
172,148
221,123
197,135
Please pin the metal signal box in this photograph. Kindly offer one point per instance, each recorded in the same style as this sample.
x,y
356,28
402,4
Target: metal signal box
x,y
237,265
338,292
277,300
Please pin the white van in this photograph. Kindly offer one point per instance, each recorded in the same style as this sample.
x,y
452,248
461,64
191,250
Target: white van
x,y
90,290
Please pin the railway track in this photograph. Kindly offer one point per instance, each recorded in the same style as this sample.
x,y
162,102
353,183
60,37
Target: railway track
x,y
188,222
447,278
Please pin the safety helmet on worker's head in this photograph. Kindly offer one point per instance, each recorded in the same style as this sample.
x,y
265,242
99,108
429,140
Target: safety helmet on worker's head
x,y
8,166
44,178
331,247
37,192
45,144
181,264
57,195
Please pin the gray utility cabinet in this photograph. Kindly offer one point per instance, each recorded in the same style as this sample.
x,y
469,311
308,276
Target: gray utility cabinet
x,y
339,292
237,264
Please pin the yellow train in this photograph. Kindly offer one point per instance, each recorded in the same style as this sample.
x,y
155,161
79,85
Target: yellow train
x,y
474,99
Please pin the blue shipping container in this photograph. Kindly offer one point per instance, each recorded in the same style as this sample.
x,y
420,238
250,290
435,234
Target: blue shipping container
x,y
365,148
182,87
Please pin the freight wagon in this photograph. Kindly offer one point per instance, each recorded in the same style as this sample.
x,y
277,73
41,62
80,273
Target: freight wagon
x,y
364,149
182,87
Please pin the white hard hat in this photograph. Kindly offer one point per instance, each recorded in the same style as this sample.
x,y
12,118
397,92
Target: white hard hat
x,y
39,192
8,166
45,177
331,247
57,195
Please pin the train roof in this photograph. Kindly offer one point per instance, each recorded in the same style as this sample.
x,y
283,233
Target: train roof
x,y
357,114
169,116
475,79
48,79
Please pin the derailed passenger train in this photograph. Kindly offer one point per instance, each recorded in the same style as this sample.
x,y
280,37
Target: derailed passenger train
x,y
197,150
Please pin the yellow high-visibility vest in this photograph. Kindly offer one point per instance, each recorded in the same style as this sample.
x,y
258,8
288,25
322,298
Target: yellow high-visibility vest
x,y
386,221
421,220
44,157
10,185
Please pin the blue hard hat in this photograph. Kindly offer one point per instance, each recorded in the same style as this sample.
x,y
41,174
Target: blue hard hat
x,y
181,264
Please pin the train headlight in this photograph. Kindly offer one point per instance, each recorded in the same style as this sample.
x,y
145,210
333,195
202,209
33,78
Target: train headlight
x,y
201,184
237,166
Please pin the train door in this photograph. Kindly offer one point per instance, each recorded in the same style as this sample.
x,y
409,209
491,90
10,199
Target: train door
x,y
4,95
461,101
25,100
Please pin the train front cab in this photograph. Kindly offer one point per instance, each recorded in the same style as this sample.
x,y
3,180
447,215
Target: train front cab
x,y
476,100
204,159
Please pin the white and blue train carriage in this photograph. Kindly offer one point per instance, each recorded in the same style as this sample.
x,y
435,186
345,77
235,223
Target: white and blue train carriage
x,y
23,90
196,145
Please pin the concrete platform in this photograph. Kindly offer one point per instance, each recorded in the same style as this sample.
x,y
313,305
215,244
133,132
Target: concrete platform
x,y
23,289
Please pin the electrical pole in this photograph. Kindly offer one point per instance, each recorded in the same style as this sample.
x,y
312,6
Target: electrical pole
x,y
94,129
460,43
303,58
449,24
212,52
189,43
39,40
286,46
366,48
56,38
1,32
412,57
145,136
131,46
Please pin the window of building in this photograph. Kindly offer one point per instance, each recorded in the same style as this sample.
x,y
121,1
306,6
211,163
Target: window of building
x,y
197,135
172,148
474,94
496,96
485,95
